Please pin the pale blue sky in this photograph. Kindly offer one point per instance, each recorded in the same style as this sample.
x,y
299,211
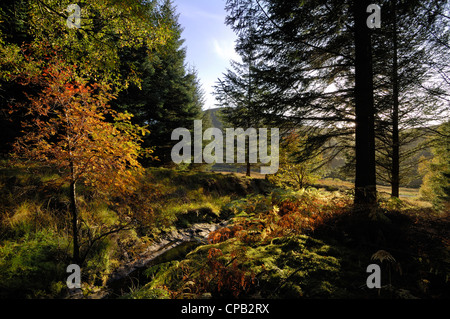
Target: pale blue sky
x,y
209,42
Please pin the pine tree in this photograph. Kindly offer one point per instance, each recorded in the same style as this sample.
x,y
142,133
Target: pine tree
x,y
365,172
317,68
170,96
405,106
238,92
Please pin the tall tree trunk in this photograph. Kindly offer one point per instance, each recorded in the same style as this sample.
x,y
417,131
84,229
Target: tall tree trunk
x,y
250,107
365,181
74,211
395,171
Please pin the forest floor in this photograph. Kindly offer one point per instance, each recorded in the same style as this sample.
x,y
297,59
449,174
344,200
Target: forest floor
x,y
271,243
337,184
324,255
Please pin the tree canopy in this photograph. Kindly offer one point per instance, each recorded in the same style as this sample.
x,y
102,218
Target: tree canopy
x,y
170,95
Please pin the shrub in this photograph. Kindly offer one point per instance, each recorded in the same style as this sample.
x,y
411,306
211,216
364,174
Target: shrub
x,y
33,264
436,171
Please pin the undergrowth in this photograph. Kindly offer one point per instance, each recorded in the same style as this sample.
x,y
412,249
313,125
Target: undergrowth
x,y
35,224
278,243
308,244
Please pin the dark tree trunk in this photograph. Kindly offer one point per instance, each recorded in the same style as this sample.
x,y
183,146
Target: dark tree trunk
x,y
249,169
395,172
365,182
74,211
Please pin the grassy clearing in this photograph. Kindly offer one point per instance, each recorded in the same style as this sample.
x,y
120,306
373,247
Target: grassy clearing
x,y
188,197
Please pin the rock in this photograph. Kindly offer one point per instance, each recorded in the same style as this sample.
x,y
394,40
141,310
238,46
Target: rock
x,y
198,232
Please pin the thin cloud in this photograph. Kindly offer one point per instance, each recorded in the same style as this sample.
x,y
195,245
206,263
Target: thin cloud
x,y
198,14
191,12
210,43
225,49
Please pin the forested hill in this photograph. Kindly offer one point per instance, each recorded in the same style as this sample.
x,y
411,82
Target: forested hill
x,y
215,117
418,147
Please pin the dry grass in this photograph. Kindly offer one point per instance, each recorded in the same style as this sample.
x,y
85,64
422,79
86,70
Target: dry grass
x,y
408,193
255,175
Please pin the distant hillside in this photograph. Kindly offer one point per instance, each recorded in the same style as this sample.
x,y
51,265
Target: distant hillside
x,y
214,115
215,119
414,179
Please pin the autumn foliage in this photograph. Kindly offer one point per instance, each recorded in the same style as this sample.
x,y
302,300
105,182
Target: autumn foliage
x,y
260,221
227,276
222,273
293,215
69,126
70,123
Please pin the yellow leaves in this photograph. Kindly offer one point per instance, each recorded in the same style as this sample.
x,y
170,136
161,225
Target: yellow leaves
x,y
123,117
75,131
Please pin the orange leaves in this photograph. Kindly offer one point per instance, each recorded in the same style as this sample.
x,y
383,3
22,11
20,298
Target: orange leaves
x,y
226,266
297,214
213,254
224,234
226,276
306,214
287,207
66,125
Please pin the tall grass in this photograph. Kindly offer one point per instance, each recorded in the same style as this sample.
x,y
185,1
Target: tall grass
x,y
35,225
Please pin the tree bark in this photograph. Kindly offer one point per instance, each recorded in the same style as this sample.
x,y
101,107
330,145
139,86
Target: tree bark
x,y
395,171
74,211
365,180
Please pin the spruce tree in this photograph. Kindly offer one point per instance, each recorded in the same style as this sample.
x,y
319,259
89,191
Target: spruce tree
x,y
317,68
404,82
238,93
170,96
